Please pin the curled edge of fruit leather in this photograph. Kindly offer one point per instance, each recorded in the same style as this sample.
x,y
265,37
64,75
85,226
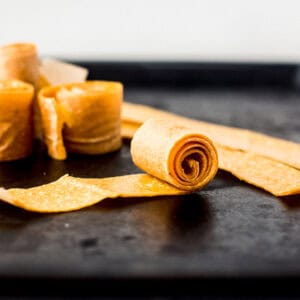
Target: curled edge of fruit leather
x,y
81,117
56,72
16,119
174,153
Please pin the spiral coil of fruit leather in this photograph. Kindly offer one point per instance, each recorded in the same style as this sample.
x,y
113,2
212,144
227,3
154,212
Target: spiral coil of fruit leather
x,y
174,153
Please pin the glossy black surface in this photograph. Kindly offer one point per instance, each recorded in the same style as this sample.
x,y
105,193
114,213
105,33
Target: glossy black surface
x,y
229,230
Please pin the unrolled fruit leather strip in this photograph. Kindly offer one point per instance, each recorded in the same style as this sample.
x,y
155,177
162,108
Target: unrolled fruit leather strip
x,y
235,138
69,193
81,117
16,119
174,153
277,178
272,176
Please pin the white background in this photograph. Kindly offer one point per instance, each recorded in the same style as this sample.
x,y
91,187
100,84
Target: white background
x,y
156,30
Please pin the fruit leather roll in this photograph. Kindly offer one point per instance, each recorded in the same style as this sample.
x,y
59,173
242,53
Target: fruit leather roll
x,y
176,154
16,119
19,61
81,117
269,163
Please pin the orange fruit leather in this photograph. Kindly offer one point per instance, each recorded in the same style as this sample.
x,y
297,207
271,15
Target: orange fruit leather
x,y
70,193
55,72
174,153
269,163
281,150
19,61
81,117
16,119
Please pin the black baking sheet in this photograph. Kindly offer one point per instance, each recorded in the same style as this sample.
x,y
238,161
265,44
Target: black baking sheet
x,y
228,231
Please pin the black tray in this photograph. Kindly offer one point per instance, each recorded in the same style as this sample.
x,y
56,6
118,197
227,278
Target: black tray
x,y
230,238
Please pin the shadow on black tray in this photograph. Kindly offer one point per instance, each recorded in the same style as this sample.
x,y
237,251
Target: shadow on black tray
x,y
40,169
291,202
177,215
187,210
14,217
166,219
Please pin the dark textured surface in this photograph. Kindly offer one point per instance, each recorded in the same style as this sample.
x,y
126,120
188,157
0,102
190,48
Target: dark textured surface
x,y
228,230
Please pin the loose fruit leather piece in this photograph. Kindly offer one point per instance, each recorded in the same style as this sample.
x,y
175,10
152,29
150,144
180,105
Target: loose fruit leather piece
x,y
81,117
70,193
16,119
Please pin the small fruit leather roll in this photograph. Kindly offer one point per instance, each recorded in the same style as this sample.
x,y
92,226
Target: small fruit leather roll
x,y
19,61
81,117
174,153
16,119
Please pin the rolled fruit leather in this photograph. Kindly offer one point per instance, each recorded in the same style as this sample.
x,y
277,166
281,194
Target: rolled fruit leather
x,y
16,119
176,154
81,117
20,61
280,178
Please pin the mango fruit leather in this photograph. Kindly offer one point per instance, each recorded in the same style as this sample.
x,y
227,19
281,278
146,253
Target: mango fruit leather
x,y
176,154
19,61
16,119
70,193
81,117
270,163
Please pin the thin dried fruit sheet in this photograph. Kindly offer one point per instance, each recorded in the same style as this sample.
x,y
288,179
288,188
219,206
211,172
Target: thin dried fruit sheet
x,y
55,72
272,176
70,193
